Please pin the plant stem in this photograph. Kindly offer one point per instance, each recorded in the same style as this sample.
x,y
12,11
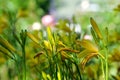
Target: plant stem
x,y
106,64
102,67
24,63
18,70
78,71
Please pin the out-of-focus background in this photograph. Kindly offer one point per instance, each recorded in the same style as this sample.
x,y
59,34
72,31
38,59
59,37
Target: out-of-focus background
x,y
33,11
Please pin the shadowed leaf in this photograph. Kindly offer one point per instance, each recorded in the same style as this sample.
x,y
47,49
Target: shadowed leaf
x,y
6,44
38,55
69,50
5,52
87,58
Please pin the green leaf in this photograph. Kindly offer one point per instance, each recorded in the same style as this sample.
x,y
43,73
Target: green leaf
x,y
5,52
95,27
50,37
6,45
32,38
84,53
87,44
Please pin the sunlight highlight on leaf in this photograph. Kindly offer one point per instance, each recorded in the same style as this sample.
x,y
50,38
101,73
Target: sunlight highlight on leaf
x,y
84,53
44,75
50,37
95,27
32,38
87,44
58,74
47,45
60,43
65,55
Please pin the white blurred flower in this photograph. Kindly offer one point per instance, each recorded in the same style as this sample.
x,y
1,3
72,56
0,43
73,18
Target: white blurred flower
x,y
88,37
85,4
76,26
36,26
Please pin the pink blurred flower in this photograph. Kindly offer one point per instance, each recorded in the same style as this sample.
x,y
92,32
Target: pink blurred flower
x,y
48,20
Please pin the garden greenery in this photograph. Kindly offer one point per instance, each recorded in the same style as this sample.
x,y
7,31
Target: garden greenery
x,y
62,54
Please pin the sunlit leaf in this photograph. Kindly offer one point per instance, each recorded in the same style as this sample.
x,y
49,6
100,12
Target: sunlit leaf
x,y
48,76
50,37
84,53
95,27
47,45
32,38
60,43
58,74
65,55
87,44
44,75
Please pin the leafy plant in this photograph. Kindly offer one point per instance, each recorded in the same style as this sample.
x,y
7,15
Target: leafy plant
x,y
60,54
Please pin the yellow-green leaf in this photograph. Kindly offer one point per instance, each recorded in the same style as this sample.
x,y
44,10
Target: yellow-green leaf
x,y
22,13
65,55
95,27
5,52
48,76
47,45
44,75
87,58
69,50
60,43
58,74
50,37
6,44
2,60
84,53
87,44
32,38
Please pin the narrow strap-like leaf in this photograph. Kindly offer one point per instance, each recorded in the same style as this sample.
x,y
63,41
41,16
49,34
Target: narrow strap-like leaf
x,y
6,44
32,38
95,27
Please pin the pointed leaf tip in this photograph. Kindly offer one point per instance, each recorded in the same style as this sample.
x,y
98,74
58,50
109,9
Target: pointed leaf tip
x,y
95,27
